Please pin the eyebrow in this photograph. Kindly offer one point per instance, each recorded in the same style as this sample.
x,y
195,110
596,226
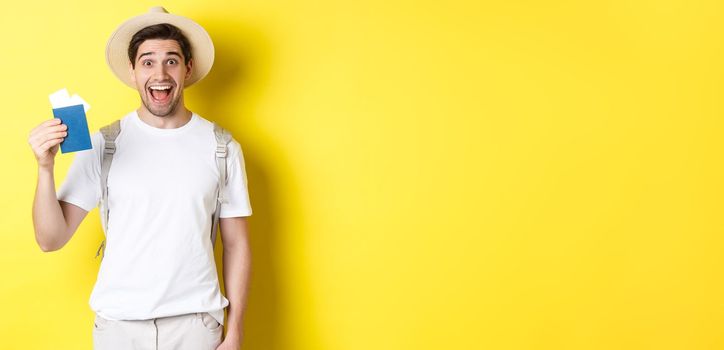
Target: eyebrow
x,y
169,53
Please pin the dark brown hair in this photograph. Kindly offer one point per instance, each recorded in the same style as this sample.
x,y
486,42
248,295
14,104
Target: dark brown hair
x,y
162,31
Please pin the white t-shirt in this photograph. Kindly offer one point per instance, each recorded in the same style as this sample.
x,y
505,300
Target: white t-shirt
x,y
162,191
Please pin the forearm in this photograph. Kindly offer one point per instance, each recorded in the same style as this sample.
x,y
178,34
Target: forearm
x,y
48,219
237,268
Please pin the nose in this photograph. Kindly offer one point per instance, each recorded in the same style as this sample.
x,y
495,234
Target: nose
x,y
159,70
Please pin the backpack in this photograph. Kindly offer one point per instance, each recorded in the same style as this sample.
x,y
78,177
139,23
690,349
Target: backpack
x,y
111,131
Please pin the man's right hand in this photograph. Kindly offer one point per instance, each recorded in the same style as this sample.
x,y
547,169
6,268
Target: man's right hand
x,y
45,140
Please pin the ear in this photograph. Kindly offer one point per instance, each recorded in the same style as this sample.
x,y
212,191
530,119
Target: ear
x,y
189,68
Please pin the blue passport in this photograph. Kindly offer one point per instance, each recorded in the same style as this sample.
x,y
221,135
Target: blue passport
x,y
78,137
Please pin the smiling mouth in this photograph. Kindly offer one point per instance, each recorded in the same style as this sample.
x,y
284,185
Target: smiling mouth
x,y
160,93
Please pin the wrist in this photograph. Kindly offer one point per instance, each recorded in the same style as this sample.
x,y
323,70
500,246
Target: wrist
x,y
233,333
45,168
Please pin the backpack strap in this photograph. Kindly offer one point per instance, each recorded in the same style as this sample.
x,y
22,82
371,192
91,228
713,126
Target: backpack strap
x,y
109,132
223,138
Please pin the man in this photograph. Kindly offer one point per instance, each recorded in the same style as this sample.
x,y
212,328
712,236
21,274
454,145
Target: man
x,y
157,286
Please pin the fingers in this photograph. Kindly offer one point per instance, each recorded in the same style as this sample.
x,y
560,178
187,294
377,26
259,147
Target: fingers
x,y
48,144
38,140
56,135
40,133
51,122
45,138
46,135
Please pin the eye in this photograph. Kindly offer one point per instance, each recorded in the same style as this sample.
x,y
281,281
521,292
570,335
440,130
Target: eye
x,y
147,63
172,61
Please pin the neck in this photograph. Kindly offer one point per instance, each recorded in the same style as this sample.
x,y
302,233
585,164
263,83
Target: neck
x,y
176,119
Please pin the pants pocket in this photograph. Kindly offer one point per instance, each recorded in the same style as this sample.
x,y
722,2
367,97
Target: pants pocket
x,y
100,323
209,322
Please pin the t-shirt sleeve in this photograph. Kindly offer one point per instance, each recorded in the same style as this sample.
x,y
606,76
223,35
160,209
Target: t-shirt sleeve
x,y
236,193
82,182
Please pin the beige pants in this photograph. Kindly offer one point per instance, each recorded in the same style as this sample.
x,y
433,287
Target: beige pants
x,y
195,331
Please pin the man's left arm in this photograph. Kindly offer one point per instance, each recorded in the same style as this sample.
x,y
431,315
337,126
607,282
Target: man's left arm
x,y
236,270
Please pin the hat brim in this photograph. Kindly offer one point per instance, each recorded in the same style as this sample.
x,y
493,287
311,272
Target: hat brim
x,y
202,48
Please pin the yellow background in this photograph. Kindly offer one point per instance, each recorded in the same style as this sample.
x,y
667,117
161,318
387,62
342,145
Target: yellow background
x,y
424,175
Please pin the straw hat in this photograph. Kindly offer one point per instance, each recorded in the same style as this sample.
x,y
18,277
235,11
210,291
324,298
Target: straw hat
x,y
202,49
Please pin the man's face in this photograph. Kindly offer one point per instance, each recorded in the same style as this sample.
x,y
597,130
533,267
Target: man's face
x,y
159,75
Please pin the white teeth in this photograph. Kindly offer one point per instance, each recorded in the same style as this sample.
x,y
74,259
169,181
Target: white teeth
x,y
160,87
